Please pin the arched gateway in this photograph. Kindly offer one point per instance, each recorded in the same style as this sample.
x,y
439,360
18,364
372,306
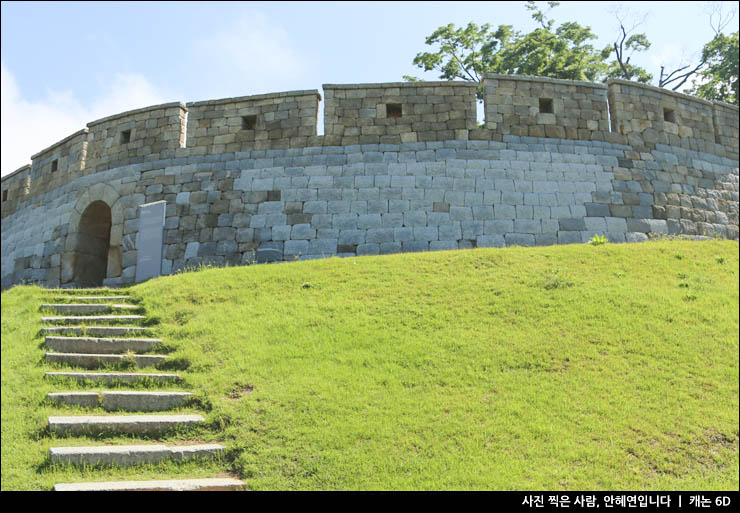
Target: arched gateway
x,y
92,249
93,241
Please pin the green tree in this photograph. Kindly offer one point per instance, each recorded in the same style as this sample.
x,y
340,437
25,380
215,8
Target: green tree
x,y
719,81
548,51
626,45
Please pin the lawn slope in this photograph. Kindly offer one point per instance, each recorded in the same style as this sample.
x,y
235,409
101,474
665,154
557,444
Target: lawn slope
x,y
565,367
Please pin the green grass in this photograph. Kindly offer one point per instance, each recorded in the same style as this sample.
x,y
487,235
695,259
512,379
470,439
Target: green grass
x,y
561,368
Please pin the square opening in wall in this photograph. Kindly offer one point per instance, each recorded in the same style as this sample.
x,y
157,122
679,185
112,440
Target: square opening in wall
x,y
393,110
249,122
5,195
54,165
125,136
669,115
546,106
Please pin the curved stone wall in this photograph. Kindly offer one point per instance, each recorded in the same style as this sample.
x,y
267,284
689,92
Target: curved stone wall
x,y
402,167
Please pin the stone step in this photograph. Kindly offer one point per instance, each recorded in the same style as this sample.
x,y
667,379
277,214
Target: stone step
x,y
95,361
78,292
123,400
211,484
93,298
96,331
121,424
93,318
110,377
92,345
84,309
132,454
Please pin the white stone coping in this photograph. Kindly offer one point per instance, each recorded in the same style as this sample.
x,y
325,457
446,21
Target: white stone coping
x,y
18,171
137,111
530,78
59,143
256,97
660,90
388,85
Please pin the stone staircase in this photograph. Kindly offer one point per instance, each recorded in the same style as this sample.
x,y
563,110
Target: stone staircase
x,y
93,332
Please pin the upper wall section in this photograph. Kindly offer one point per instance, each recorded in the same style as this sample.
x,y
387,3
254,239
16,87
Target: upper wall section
x,y
385,113
60,163
726,125
399,112
545,107
16,186
261,122
675,119
133,136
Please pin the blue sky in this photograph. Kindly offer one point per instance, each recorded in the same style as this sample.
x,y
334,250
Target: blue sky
x,y
67,63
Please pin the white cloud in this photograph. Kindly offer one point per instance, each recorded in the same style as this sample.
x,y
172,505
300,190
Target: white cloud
x,y
251,56
30,126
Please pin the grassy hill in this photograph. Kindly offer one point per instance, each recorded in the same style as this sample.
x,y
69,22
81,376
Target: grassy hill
x,y
565,367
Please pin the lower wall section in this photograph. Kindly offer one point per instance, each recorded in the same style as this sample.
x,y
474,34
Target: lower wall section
x,y
276,205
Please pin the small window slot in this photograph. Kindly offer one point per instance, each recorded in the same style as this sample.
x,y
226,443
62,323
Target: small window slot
x,y
125,136
546,106
393,110
5,195
54,165
249,122
669,115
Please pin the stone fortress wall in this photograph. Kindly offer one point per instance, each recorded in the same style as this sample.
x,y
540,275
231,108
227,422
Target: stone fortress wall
x,y
401,167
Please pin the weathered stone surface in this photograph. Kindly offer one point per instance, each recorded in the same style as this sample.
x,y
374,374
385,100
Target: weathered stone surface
x,y
213,484
94,361
121,424
93,319
143,401
85,399
83,309
131,454
96,331
93,345
111,377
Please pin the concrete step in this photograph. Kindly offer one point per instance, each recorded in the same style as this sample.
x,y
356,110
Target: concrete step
x,y
92,345
121,424
110,377
132,454
123,400
85,309
93,318
96,331
95,361
212,484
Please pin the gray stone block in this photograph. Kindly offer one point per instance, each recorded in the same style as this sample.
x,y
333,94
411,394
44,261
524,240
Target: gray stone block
x,y
491,241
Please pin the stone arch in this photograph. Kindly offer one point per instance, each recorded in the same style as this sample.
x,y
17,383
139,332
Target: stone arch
x,y
97,211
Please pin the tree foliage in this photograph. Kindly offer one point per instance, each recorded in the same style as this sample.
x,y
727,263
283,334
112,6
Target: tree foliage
x,y
719,81
548,51
565,52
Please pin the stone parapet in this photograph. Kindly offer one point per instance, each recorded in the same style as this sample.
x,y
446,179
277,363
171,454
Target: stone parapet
x,y
545,107
135,136
399,112
260,122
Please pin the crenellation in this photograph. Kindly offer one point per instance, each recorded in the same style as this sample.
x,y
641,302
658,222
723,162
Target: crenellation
x,y
399,112
261,122
136,136
545,107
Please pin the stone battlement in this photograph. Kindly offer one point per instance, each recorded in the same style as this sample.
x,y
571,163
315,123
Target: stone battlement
x,y
402,166
620,112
